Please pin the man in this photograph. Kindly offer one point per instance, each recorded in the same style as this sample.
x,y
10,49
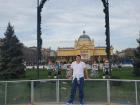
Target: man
x,y
78,68
106,68
94,70
49,68
58,69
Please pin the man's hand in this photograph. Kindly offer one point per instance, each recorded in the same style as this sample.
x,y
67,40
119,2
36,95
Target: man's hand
x,y
88,78
70,78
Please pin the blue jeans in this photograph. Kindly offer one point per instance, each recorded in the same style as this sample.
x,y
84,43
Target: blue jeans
x,y
80,84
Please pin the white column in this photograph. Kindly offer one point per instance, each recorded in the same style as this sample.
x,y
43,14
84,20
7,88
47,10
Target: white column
x,y
136,90
57,91
5,93
108,92
32,92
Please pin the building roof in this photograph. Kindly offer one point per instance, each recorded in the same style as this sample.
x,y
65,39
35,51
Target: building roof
x,y
84,37
100,47
65,48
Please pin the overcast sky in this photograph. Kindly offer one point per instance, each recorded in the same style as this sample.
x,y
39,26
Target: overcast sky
x,y
64,20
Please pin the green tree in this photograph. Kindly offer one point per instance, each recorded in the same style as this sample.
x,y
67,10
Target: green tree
x,y
11,59
137,60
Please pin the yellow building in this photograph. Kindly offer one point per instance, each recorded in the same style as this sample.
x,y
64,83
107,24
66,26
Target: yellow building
x,y
85,47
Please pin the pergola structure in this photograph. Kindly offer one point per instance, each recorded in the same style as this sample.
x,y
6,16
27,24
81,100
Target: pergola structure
x,y
40,5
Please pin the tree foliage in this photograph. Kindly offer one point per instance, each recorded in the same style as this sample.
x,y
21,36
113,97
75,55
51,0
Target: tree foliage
x,y
11,56
137,60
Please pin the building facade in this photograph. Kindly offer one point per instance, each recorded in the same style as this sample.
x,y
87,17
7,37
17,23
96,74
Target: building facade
x,y
85,47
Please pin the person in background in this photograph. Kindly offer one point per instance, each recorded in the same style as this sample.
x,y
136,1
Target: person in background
x,y
69,72
78,68
49,68
106,68
58,69
95,68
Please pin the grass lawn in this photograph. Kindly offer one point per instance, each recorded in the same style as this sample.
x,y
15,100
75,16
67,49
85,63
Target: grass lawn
x,y
124,73
43,74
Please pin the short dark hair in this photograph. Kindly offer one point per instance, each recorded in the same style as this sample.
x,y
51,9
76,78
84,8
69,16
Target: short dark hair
x,y
79,56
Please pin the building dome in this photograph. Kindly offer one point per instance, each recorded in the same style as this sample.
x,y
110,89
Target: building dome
x,y
84,37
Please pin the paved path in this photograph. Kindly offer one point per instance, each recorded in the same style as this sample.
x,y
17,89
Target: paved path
x,y
73,104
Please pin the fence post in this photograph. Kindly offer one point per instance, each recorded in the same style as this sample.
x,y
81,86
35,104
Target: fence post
x,y
32,92
5,93
136,90
57,90
108,92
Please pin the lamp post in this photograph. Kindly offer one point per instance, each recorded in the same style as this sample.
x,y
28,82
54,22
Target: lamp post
x,y
107,32
40,5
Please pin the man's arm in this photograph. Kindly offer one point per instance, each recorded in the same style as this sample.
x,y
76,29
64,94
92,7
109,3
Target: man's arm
x,y
86,74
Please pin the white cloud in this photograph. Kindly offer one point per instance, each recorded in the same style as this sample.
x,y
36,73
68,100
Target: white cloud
x,y
64,20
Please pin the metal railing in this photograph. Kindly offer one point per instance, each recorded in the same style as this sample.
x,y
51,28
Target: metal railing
x,y
106,91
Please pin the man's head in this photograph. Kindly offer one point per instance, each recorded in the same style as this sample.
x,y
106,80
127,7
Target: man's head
x,y
78,57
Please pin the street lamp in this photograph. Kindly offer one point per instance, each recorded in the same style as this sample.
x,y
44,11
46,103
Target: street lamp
x,y
40,5
107,32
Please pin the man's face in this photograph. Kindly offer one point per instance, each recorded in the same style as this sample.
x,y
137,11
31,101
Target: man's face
x,y
78,58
